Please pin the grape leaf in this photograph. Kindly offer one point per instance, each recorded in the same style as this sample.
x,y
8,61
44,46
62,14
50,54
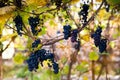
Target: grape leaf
x,y
93,56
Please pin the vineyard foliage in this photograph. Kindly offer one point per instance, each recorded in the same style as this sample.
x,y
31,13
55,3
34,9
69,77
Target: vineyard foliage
x,y
60,38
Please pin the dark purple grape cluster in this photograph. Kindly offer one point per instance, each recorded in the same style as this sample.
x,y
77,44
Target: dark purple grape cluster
x,y
67,31
19,24
38,57
36,43
77,45
98,41
84,13
102,45
34,21
107,6
55,67
97,36
18,3
74,35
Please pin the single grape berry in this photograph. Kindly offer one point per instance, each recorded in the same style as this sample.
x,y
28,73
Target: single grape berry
x,y
19,24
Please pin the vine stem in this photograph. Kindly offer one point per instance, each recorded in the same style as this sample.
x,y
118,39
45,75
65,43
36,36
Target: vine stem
x,y
70,68
101,69
1,70
93,71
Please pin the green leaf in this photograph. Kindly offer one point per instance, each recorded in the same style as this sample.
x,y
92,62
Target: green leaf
x,y
23,72
19,58
83,67
113,2
43,31
65,1
4,38
65,69
93,56
112,44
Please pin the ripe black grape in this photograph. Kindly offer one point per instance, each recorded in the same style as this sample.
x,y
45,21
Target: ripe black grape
x,y
102,45
38,57
74,35
34,21
55,67
33,62
36,43
67,31
19,24
98,41
97,36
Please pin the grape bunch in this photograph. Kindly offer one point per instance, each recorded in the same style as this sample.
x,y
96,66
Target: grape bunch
x,y
74,35
34,21
55,67
18,3
84,13
36,43
98,41
107,6
102,45
33,61
67,31
97,36
19,24
38,57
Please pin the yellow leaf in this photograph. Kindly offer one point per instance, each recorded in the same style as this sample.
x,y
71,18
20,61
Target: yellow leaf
x,y
45,63
85,37
98,0
19,58
85,78
3,38
103,14
37,2
74,1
